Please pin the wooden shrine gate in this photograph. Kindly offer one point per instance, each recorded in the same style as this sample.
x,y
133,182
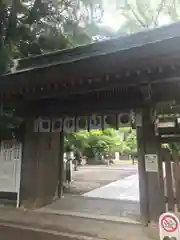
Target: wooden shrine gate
x,y
10,170
138,72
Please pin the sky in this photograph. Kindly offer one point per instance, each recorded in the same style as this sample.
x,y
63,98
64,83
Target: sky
x,y
111,16
114,20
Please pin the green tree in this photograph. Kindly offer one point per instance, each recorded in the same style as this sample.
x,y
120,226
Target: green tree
x,y
100,144
131,142
37,26
94,143
97,143
76,141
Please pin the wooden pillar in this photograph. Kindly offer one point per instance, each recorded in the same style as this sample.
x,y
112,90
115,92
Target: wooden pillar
x,y
61,166
151,196
39,173
143,192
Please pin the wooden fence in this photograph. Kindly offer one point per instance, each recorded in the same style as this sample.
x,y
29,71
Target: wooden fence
x,y
171,181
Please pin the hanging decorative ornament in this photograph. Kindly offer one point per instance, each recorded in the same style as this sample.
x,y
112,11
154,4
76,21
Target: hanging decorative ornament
x,y
109,121
57,125
69,124
81,123
95,122
123,120
44,125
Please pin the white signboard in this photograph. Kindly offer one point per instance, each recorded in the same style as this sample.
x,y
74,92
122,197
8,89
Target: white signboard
x,y
151,162
36,125
138,119
169,226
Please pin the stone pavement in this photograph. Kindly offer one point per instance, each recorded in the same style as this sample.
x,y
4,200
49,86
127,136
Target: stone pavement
x,y
123,189
41,225
88,178
79,206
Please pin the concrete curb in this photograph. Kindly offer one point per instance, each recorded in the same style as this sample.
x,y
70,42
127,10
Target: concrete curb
x,y
121,220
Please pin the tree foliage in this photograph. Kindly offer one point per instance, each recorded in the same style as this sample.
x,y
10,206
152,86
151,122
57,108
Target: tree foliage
x,y
38,26
98,143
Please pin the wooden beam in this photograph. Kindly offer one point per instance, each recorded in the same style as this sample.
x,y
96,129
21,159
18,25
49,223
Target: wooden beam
x,y
168,110
89,69
76,108
170,139
105,47
168,131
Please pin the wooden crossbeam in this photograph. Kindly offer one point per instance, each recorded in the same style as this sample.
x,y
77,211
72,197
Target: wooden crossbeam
x,y
170,139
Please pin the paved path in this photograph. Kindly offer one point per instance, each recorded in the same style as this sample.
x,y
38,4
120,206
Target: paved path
x,y
112,167
120,198
96,207
89,178
123,189
42,226
16,233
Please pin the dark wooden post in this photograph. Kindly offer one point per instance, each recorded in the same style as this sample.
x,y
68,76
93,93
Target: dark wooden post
x,y
143,192
61,166
39,178
152,146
